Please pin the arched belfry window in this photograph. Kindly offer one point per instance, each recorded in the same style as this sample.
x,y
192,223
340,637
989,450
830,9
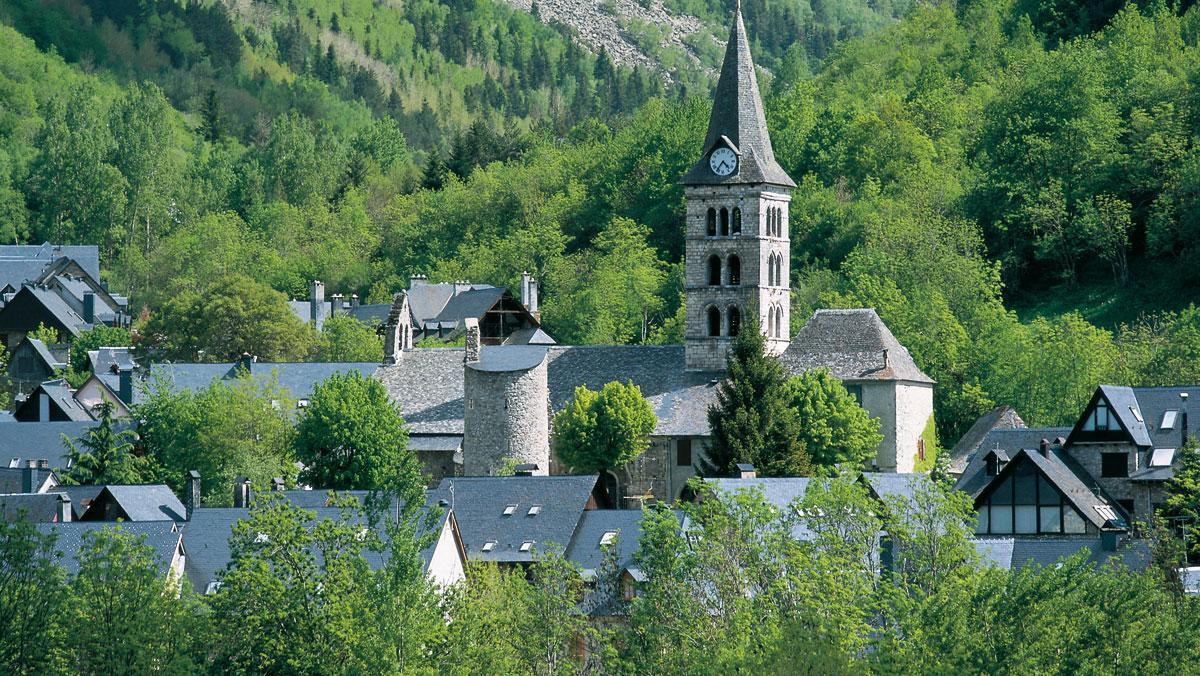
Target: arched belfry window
x,y
778,322
711,222
714,321
735,320
770,221
724,222
770,320
771,270
737,220
714,270
735,270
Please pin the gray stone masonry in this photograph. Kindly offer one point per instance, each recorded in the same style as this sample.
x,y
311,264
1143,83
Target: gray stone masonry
x,y
507,418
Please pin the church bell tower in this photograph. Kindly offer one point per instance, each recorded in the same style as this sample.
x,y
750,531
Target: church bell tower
x,y
737,248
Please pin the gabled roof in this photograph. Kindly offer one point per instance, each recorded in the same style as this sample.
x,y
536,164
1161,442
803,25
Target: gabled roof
x,y
1014,553
152,502
1010,441
479,504
737,115
12,479
586,549
1156,401
473,303
56,307
35,507
162,537
853,345
1069,481
1123,403
111,359
298,378
999,418
51,361
20,263
81,497
61,397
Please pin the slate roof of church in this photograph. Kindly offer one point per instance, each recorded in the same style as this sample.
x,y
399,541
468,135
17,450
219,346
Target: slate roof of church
x,y
161,536
737,115
1014,553
479,504
851,344
428,383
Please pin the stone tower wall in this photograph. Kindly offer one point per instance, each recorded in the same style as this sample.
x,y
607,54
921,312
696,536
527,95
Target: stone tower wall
x,y
507,416
753,247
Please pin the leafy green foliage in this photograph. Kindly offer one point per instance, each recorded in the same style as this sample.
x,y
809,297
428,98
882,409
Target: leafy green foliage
x,y
107,455
32,598
225,430
752,419
603,430
94,338
1183,498
834,428
351,436
235,315
343,338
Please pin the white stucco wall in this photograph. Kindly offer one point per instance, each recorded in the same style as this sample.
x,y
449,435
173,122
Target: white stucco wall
x,y
445,566
879,399
914,406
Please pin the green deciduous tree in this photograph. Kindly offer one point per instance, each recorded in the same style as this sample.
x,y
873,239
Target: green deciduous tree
x,y
33,598
834,428
344,338
602,430
99,336
351,435
752,419
1183,498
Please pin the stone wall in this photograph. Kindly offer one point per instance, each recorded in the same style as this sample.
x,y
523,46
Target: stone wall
x,y
506,417
1145,495
656,475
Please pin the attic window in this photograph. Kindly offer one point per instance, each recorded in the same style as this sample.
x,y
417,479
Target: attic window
x,y
15,462
1106,512
489,545
1162,457
526,546
1137,415
1168,421
510,510
608,538
1100,420
535,510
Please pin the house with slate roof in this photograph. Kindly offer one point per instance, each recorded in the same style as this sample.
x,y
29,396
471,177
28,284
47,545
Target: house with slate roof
x,y
24,441
1107,472
164,538
150,502
33,362
52,507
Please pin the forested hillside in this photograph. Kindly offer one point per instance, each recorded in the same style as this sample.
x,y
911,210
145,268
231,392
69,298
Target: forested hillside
x,y
953,165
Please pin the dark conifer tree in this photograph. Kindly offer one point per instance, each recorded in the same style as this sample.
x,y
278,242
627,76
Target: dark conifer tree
x,y
210,116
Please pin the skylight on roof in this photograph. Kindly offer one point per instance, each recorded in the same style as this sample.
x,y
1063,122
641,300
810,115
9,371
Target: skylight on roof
x,y
535,510
1137,414
526,545
608,538
489,545
510,510
1106,512
1168,421
14,463
1162,457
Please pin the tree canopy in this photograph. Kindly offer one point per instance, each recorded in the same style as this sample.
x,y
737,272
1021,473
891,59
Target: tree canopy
x,y
599,431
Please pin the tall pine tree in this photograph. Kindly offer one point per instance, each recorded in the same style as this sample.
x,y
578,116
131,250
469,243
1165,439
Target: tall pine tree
x,y
752,419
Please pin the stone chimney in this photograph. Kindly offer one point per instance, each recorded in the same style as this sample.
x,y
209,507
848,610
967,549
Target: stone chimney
x,y
335,305
125,385
461,286
241,492
1044,448
417,280
398,333
316,303
471,325
89,308
529,293
191,496
246,363
534,308
29,477
746,471
64,508
354,300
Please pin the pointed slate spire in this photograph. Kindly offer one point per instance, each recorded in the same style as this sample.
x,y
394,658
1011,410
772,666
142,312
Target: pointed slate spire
x,y
738,121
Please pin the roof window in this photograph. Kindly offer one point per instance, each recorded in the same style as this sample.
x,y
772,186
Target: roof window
x,y
1168,421
608,538
15,462
1137,414
489,545
526,546
1162,457
510,510
535,510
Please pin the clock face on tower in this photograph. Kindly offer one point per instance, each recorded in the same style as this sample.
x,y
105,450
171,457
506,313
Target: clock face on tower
x,y
722,161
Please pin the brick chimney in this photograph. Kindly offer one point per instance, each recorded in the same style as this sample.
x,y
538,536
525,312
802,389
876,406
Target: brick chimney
x,y
192,496
471,325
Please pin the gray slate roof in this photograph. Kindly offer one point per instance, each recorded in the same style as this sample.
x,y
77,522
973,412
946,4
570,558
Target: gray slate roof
x,y
57,307
20,263
152,502
1124,402
479,504
585,550
111,359
62,396
737,115
1065,475
509,358
435,442
780,492
40,440
52,361
299,378
852,344
1014,553
163,537
428,383
35,507
892,485
974,478
1000,418
81,497
12,479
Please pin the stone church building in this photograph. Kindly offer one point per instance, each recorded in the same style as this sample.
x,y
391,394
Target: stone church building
x,y
474,410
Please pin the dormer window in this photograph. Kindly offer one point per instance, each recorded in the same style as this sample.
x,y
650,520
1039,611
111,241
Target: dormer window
x,y
1137,414
510,510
